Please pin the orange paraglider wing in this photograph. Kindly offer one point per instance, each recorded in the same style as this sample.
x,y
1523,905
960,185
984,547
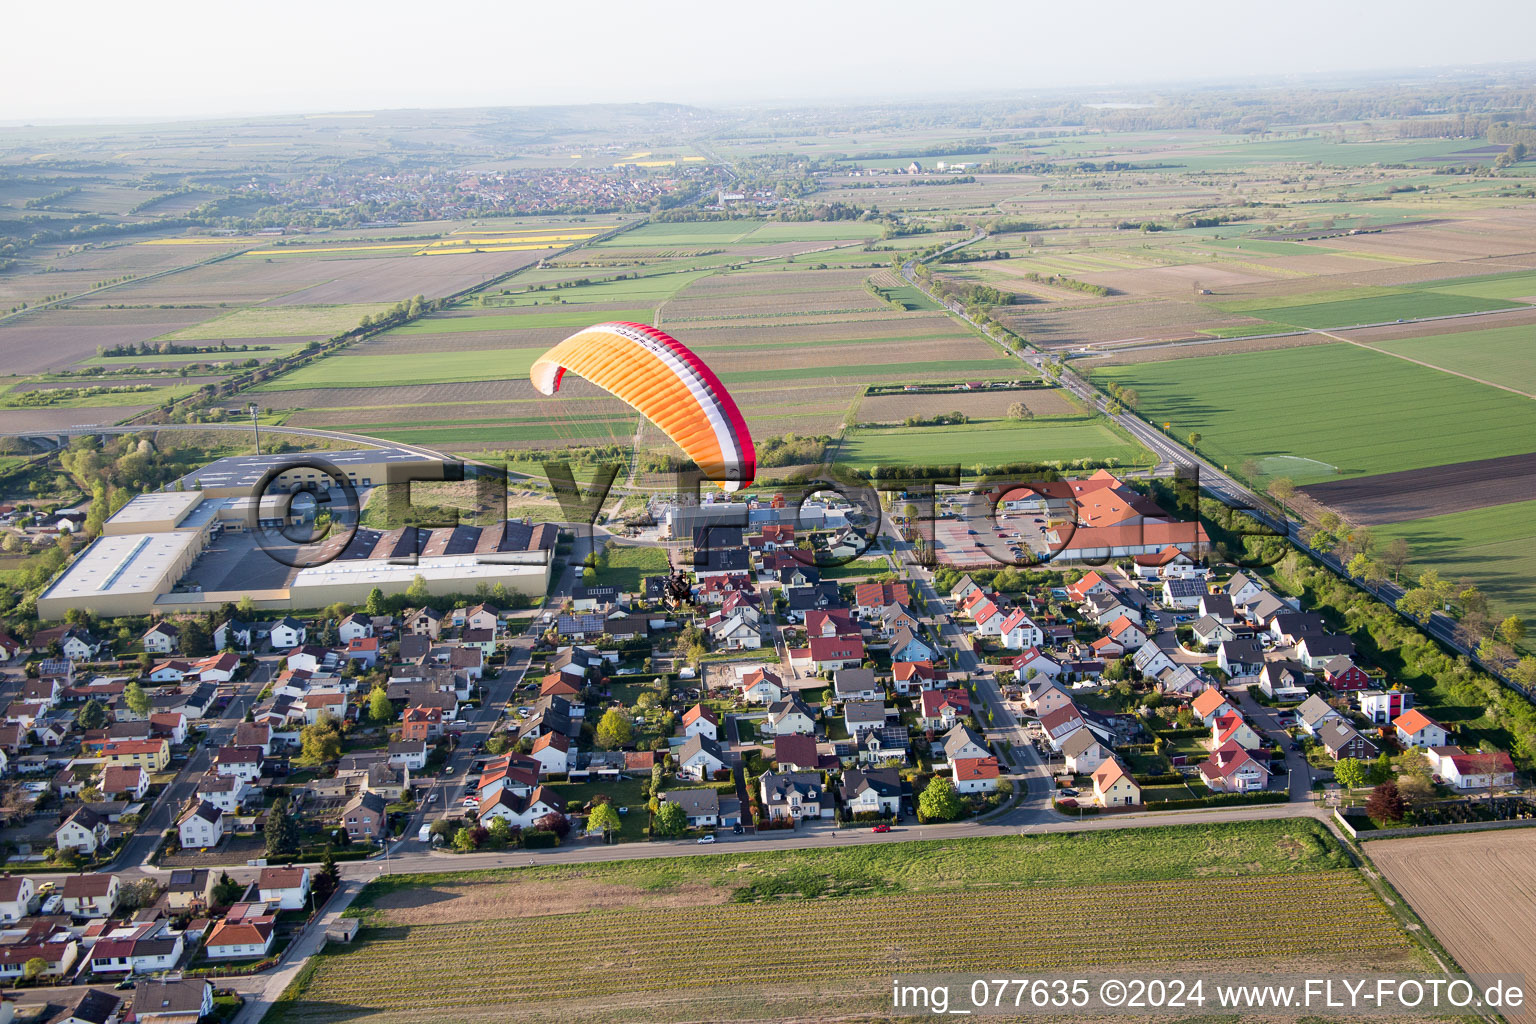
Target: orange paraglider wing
x,y
667,384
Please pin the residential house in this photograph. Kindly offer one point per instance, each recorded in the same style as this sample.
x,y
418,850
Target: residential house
x,y
975,774
831,622
1476,770
421,724
523,809
363,650
364,817
124,783
793,796
357,626
1240,659
869,598
1242,588
1416,729
172,1002
1127,633
701,807
1232,769
874,791
1044,696
1183,593
15,898
856,684
287,888
907,676
1061,723
1113,785
701,721
1233,728
1381,706
700,758
1313,713
828,654
161,638
1284,680
941,710
1343,675
1034,662
1317,651
1210,631
92,895
1090,585
226,792
739,631
963,741
761,686
411,754
427,622
248,938
1218,607
232,634
84,831
907,646
1018,631
1341,741
172,671
287,633
553,752
189,889
790,716
241,762
1151,661
201,827
1083,752
863,715
59,958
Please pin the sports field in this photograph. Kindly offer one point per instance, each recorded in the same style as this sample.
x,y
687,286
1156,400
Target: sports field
x,y
1348,410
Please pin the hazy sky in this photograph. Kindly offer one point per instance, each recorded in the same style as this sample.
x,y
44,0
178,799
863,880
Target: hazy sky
x,y
171,58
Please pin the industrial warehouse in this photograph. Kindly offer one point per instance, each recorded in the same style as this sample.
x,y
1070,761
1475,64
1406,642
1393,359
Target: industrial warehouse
x,y
191,549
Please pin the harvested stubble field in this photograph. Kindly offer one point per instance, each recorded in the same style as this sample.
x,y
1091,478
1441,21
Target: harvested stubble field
x,y
998,442
880,907
279,322
1191,349
1149,320
978,405
1477,893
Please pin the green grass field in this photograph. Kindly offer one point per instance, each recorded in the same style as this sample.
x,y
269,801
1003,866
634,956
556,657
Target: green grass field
x,y
1502,355
625,565
1403,305
1495,546
993,443
279,322
978,369
1341,405
360,371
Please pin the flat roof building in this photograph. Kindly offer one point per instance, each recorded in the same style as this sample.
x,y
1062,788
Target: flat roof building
x,y
238,475
122,574
154,512
351,580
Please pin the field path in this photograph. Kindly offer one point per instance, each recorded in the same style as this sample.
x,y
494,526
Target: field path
x,y
1420,362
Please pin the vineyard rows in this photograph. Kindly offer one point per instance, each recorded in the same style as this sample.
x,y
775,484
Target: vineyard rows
x,y
1041,928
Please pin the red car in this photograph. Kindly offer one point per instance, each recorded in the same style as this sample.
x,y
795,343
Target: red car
x,y
881,828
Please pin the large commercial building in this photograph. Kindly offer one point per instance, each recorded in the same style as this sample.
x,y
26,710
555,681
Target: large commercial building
x,y
155,540
238,475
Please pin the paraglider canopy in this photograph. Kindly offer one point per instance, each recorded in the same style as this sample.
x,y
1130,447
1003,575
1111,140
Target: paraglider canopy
x,y
667,384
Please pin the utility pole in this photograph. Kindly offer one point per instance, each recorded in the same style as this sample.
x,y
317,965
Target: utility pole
x,y
256,426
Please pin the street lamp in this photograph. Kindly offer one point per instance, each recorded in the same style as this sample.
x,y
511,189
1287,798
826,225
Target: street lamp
x,y
255,425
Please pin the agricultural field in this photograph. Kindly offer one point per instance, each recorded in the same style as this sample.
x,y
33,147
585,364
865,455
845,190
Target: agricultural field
x,y
1495,546
1306,413
876,905
1061,439
1483,926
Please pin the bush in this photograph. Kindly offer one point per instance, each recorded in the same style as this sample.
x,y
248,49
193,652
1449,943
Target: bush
x,y
1222,800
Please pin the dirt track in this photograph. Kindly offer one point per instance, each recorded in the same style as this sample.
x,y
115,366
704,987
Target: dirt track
x,y
1477,893
1416,493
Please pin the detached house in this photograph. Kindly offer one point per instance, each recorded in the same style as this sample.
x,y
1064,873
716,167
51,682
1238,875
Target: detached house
x,y
975,774
161,638
793,796
288,633
286,887
1341,741
872,791
701,721
84,831
1232,769
761,686
90,895
700,758
790,716
1416,729
201,827
1113,785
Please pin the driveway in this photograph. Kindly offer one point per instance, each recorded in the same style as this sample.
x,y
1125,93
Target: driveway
x,y
1268,721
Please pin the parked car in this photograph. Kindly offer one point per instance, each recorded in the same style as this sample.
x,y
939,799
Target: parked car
x,y
882,827
705,840
431,798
